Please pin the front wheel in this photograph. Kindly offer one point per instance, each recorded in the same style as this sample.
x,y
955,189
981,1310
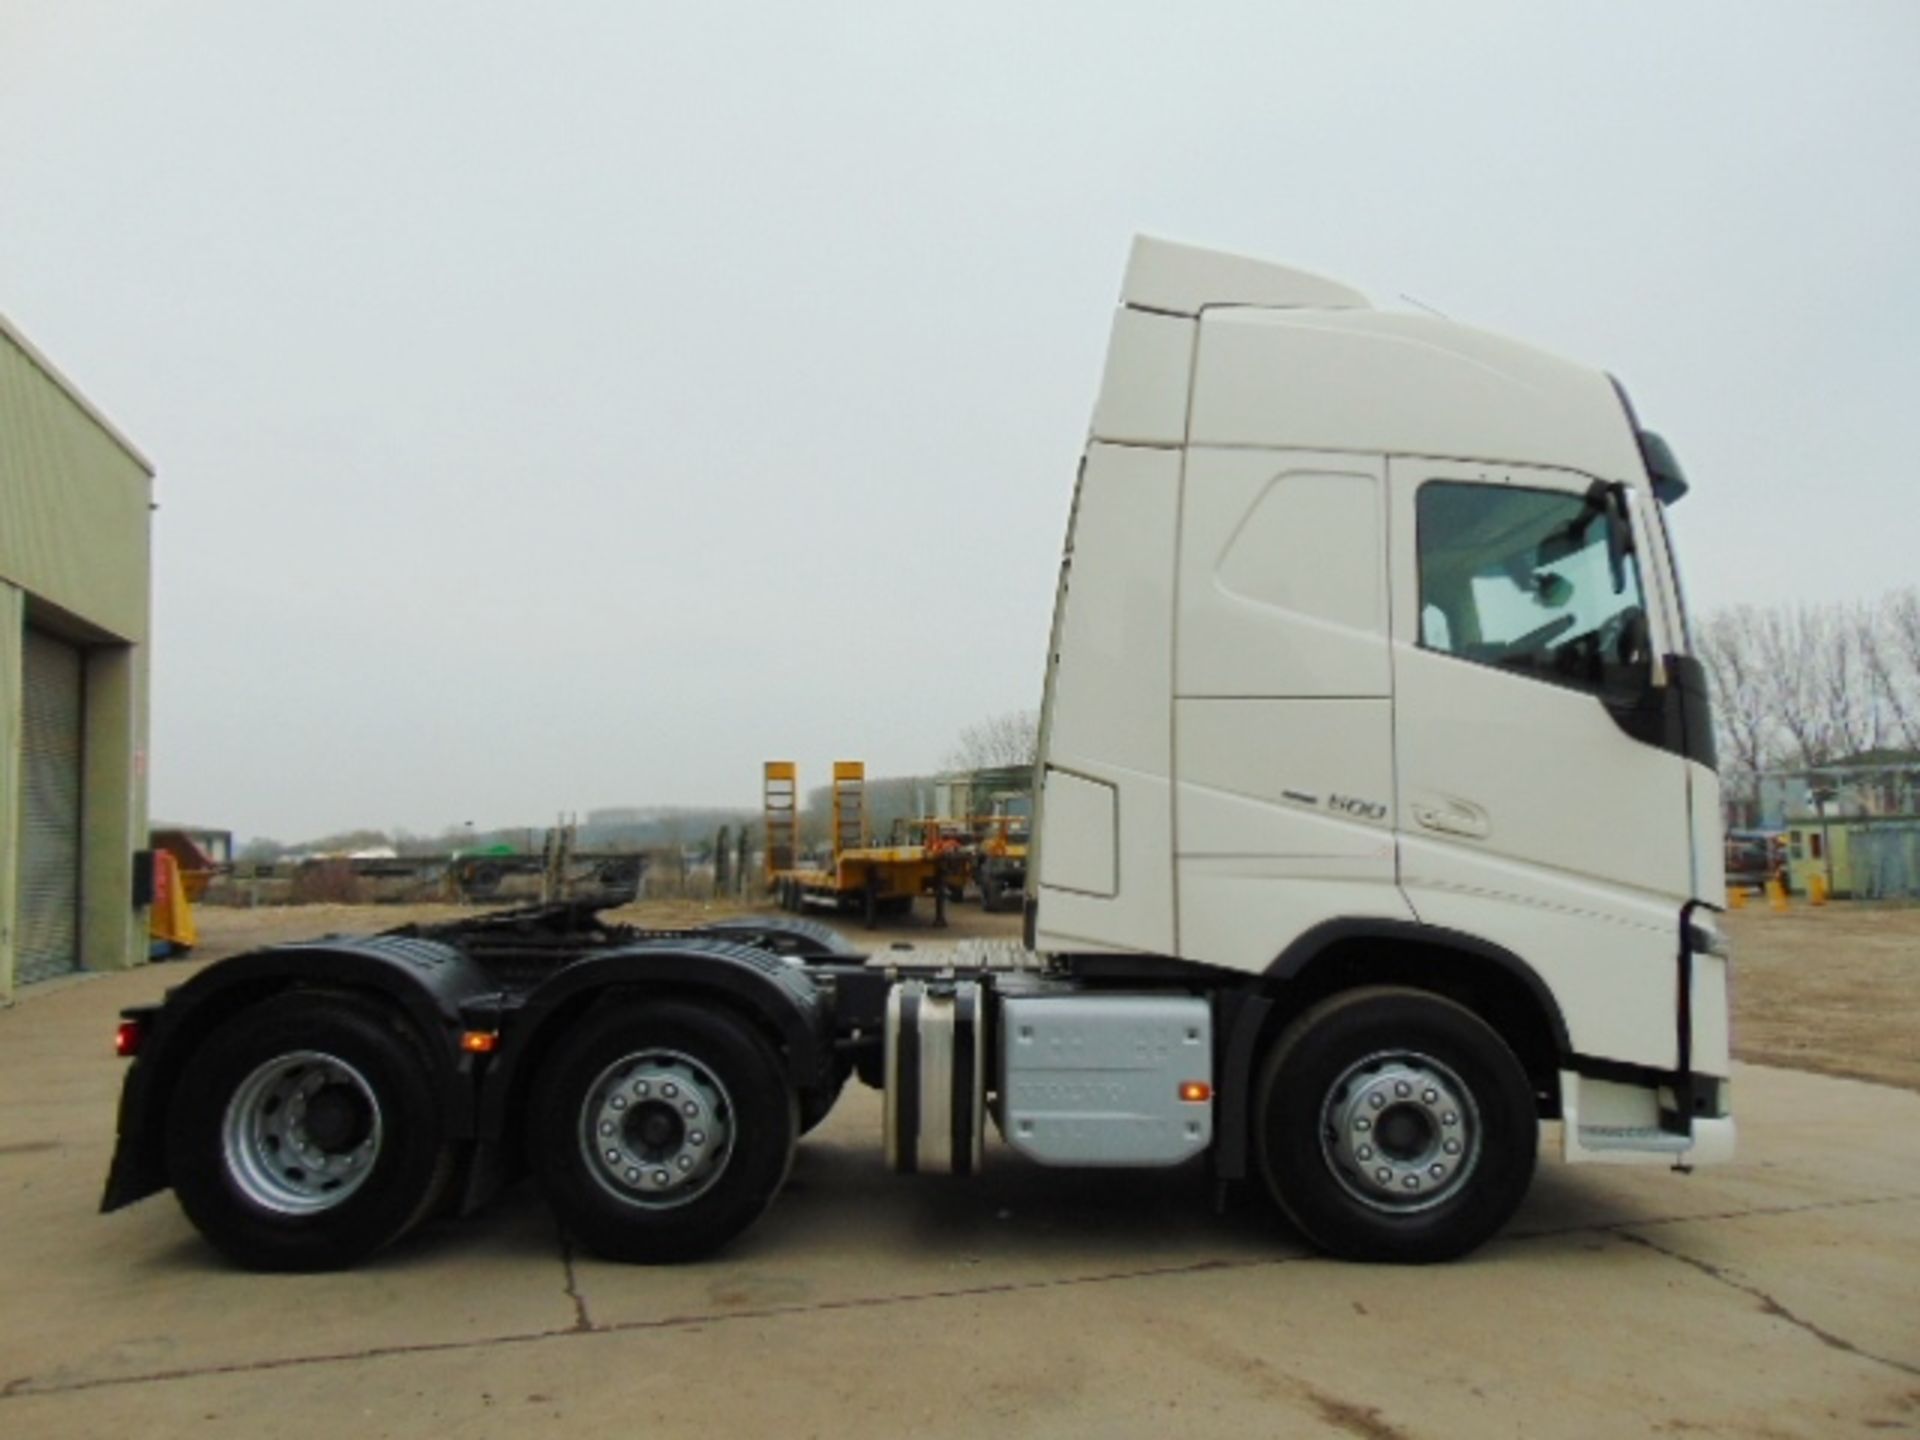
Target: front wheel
x,y
305,1135
661,1131
1395,1125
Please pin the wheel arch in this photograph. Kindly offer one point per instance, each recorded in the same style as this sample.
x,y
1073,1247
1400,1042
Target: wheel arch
x,y
424,984
778,997
1345,954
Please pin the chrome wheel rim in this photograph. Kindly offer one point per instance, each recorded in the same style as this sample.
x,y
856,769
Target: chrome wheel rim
x,y
1400,1131
656,1128
301,1133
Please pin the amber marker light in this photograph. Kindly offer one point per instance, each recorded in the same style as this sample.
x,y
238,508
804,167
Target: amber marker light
x,y
480,1042
1195,1092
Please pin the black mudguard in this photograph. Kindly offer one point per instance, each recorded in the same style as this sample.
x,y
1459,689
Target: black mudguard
x,y
780,994
789,935
439,990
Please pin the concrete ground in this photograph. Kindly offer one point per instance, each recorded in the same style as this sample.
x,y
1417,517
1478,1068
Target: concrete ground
x,y
1777,1297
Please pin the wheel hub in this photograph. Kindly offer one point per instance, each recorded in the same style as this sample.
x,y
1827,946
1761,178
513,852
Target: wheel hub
x,y
338,1118
1400,1131
301,1133
657,1128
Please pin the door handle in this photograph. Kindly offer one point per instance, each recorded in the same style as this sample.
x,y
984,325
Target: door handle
x,y
1449,816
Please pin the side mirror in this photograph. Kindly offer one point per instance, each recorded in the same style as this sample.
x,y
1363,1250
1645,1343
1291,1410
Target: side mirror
x,y
1609,501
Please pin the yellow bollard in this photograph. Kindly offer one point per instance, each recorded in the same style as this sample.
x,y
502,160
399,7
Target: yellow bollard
x,y
1777,895
1816,889
1736,897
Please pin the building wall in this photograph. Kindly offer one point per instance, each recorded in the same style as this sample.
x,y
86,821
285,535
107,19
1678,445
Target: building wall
x,y
75,499
13,612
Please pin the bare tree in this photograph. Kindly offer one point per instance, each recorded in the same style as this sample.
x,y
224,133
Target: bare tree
x,y
1898,654
1730,642
1785,639
1012,738
1850,682
1807,685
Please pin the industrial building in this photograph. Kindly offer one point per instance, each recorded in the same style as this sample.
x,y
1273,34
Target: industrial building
x,y
75,500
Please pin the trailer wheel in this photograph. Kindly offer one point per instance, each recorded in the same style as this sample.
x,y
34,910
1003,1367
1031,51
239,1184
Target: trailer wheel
x,y
305,1135
1395,1125
661,1131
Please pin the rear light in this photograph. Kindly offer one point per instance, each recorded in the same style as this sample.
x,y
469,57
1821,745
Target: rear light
x,y
480,1042
1195,1092
128,1038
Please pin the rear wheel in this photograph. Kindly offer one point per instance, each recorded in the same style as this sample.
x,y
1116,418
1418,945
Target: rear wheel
x,y
661,1131
305,1135
1395,1125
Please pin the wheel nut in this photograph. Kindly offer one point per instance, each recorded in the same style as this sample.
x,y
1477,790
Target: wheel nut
x,y
1452,1147
1402,1089
1365,1152
606,1127
640,1087
1449,1118
619,1102
686,1162
689,1108
661,1177
1432,1097
697,1137
669,1090
613,1157
1363,1124
1376,1100
1437,1171
1383,1174
1412,1182
633,1177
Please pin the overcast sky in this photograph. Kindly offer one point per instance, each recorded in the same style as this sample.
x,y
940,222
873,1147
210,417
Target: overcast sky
x,y
574,404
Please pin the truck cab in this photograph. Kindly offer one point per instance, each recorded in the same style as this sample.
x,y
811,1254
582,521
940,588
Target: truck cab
x,y
1370,659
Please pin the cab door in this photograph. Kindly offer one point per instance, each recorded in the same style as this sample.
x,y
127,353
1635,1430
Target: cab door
x,y
1533,800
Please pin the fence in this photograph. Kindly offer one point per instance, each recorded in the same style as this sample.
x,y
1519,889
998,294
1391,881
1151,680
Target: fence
x,y
1885,860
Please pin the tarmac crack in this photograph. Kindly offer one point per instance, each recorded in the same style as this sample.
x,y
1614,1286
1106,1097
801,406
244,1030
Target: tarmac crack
x,y
582,1322
1769,1305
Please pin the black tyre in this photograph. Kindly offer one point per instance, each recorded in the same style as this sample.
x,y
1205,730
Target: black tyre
x,y
1395,1125
305,1134
816,1105
659,1132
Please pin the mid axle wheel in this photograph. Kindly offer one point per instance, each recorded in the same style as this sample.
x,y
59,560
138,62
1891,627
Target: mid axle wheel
x,y
660,1131
657,1128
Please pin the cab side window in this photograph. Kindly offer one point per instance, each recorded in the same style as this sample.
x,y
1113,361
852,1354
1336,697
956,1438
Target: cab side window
x,y
1539,582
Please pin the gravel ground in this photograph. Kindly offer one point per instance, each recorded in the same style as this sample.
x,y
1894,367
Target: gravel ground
x,y
1834,989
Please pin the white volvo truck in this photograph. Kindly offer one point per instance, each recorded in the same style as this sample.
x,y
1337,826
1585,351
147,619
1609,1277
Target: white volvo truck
x,y
1377,824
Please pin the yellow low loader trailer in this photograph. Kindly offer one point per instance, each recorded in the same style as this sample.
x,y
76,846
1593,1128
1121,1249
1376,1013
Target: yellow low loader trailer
x,y
874,880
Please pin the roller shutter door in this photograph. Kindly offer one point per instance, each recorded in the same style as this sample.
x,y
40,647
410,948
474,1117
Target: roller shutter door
x,y
49,882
